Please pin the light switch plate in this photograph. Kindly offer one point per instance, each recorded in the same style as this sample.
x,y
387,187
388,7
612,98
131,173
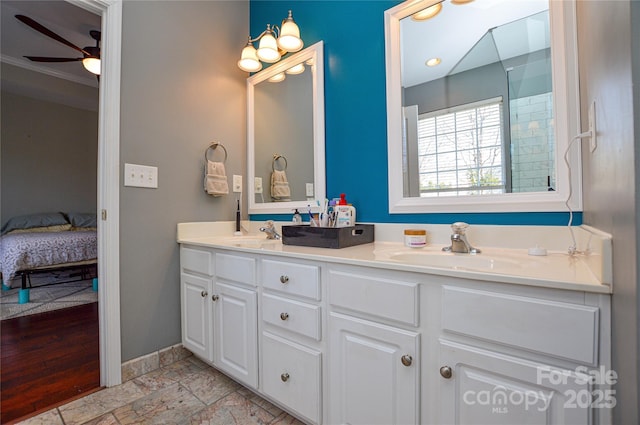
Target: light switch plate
x,y
140,176
309,189
237,183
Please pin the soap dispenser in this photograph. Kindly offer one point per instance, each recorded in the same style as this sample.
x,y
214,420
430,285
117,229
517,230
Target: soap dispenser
x,y
297,218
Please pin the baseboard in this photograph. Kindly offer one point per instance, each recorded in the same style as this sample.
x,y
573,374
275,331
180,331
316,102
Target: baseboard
x,y
139,366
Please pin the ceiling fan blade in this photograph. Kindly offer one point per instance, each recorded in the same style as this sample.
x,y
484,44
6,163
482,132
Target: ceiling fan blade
x,y
48,59
40,28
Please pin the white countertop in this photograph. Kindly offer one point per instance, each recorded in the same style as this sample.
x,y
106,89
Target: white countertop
x,y
556,270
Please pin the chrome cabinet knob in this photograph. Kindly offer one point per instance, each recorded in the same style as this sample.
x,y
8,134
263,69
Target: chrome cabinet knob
x,y
204,294
215,297
284,316
406,360
446,372
284,279
284,377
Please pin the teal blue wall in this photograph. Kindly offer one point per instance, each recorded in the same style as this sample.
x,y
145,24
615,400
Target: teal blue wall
x,y
355,107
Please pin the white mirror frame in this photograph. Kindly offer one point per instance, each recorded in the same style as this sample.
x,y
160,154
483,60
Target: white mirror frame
x,y
314,53
566,115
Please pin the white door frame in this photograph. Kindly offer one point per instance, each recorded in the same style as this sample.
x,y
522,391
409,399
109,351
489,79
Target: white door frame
x,y
109,188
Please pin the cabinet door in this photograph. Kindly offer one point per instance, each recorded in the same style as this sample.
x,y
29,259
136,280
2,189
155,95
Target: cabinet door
x,y
373,373
196,315
484,387
236,332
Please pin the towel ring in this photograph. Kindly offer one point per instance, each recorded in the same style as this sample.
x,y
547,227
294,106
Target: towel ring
x,y
276,157
212,147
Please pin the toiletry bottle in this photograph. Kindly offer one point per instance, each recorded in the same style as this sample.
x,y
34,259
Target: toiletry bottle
x,y
345,214
297,218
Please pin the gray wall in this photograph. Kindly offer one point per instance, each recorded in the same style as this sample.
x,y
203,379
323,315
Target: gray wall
x,y
284,125
608,52
49,157
181,89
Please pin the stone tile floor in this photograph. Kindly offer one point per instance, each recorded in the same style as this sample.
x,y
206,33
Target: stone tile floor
x,y
185,392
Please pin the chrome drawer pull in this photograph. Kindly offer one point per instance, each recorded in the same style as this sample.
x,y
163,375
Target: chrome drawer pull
x,y
284,377
284,316
284,279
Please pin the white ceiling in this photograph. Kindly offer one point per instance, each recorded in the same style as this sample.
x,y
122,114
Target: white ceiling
x,y
70,22
453,32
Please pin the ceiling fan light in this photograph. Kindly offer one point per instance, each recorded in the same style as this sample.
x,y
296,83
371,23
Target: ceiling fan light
x,y
289,38
268,47
249,59
92,65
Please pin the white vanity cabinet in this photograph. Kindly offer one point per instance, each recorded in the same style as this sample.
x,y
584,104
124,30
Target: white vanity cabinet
x,y
291,339
512,358
219,310
196,285
374,348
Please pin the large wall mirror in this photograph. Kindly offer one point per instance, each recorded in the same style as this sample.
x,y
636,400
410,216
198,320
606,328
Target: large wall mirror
x,y
285,134
482,103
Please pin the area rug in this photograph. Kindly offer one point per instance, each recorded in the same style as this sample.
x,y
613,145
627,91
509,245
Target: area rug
x,y
67,291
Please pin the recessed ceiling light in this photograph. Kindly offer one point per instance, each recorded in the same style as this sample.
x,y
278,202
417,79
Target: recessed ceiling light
x,y
433,62
427,13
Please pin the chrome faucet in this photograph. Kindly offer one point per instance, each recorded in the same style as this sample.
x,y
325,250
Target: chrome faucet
x,y
270,229
459,242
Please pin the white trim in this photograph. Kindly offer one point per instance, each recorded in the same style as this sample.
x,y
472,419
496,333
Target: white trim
x,y
25,64
315,53
109,188
566,113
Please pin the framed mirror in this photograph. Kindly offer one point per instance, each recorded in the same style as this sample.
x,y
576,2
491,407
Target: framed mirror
x,y
285,134
482,104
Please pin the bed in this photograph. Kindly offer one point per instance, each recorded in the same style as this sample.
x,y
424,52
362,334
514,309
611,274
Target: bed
x,y
45,242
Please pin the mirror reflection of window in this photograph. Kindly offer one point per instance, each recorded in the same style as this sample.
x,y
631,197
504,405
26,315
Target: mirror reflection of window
x,y
484,118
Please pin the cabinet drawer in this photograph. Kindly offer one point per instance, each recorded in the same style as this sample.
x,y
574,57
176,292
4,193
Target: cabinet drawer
x,y
236,268
294,316
291,374
291,278
560,329
388,299
196,261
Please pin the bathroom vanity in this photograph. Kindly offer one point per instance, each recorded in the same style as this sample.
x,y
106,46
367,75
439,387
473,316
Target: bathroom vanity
x,y
384,334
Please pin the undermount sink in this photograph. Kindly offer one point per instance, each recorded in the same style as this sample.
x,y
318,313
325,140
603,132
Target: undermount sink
x,y
250,241
477,262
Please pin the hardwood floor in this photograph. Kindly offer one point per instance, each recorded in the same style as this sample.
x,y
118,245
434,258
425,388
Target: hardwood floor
x,y
48,358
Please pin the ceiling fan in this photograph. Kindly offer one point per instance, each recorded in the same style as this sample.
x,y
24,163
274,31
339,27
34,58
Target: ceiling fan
x,y
90,55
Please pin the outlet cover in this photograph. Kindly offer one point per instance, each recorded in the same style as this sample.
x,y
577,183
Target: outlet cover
x,y
237,183
257,184
593,142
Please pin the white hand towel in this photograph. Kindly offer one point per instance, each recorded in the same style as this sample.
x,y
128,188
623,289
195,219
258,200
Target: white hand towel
x,y
215,180
280,190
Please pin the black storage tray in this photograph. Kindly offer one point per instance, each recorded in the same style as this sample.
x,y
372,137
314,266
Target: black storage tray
x,y
327,237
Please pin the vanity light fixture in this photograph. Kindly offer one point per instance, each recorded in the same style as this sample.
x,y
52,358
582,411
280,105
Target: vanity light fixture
x,y
296,69
273,43
433,62
277,78
427,13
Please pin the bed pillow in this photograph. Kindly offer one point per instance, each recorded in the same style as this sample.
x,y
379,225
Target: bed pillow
x,y
29,221
82,219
